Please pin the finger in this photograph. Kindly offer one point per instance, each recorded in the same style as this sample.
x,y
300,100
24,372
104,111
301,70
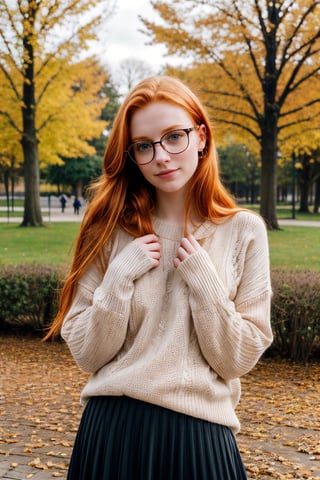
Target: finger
x,y
182,253
186,245
155,262
193,241
146,239
156,255
154,247
176,262
190,243
150,238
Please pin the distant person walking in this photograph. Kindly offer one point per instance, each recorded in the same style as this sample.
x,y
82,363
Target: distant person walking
x,y
76,206
63,202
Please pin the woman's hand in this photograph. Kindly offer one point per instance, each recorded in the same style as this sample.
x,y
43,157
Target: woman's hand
x,y
151,246
188,246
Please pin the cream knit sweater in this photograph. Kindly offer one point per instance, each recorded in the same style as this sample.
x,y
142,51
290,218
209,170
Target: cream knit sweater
x,y
179,338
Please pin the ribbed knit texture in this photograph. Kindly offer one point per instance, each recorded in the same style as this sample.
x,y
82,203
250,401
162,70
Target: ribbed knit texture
x,y
178,338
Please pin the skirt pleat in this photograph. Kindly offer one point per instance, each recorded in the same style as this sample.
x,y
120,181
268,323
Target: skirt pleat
x,y
120,438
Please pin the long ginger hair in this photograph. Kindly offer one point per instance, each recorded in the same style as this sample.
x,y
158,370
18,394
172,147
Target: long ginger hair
x,y
122,198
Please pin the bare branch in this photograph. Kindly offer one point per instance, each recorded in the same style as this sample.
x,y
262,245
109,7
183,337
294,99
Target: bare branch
x,y
290,86
300,108
285,55
55,113
11,121
261,20
300,121
47,84
249,45
218,92
11,82
245,128
240,84
285,138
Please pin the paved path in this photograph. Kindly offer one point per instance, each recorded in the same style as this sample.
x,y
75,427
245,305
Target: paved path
x,y
68,216
299,223
39,408
40,412
55,215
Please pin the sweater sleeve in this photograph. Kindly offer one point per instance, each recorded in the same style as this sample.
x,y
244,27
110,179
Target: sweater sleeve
x,y
96,324
232,333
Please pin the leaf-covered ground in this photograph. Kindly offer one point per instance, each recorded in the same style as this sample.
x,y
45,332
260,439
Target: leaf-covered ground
x,y
40,413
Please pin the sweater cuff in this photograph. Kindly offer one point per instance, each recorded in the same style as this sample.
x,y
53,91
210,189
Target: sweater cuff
x,y
130,264
202,278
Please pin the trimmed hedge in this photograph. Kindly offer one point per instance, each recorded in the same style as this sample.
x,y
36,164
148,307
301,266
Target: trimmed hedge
x,y
295,313
29,299
29,296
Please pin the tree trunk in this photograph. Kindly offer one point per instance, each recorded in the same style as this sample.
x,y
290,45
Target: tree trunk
x,y
12,191
32,211
305,183
6,187
79,188
268,205
304,196
317,197
269,126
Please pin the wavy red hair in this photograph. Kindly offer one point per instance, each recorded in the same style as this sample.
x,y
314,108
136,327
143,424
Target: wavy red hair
x,y
123,198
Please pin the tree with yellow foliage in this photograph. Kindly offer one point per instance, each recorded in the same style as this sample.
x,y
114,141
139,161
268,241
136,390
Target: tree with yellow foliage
x,y
261,54
50,99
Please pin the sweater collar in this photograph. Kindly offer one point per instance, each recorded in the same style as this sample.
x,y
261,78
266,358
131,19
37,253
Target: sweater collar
x,y
176,232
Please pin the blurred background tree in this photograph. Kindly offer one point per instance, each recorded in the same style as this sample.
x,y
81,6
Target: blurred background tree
x,y
74,174
51,101
255,65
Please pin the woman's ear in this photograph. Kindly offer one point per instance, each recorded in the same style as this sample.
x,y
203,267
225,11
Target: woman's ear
x,y
202,137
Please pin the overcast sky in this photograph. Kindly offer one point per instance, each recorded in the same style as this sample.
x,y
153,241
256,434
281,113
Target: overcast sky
x,y
122,40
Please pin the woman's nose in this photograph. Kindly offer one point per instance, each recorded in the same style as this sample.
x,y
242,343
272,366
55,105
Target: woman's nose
x,y
160,154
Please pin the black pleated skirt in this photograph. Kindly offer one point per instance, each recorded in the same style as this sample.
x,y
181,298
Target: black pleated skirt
x,y
120,438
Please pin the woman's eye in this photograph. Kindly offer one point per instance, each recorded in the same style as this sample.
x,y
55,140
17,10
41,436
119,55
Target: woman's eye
x,y
143,147
173,137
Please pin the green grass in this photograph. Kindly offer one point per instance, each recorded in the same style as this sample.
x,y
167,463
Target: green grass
x,y
285,212
44,245
294,248
18,214
17,203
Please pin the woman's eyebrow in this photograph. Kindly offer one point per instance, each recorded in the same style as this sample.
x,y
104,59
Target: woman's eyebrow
x,y
163,132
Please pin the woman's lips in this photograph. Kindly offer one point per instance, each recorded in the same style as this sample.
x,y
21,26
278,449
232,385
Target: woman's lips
x,y
166,173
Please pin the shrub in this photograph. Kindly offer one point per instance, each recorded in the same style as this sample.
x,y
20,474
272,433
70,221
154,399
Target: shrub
x,y
28,296
295,313
29,299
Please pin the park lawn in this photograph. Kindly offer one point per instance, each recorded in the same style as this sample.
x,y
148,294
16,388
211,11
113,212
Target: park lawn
x,y
291,248
285,212
295,248
17,202
50,245
15,214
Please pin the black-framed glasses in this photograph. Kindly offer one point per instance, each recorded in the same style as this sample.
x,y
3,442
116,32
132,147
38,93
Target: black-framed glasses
x,y
173,142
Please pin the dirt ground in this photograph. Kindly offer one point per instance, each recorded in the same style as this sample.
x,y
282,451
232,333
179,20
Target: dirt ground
x,y
40,412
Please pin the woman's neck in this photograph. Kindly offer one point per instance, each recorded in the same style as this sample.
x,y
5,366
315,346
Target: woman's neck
x,y
171,209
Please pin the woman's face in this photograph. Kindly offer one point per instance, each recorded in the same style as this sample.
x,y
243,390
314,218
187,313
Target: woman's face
x,y
167,172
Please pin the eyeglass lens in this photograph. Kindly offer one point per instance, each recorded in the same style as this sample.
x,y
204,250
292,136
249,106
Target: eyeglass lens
x,y
174,142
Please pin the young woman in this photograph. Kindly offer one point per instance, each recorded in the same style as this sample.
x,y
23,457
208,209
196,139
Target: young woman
x,y
168,300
